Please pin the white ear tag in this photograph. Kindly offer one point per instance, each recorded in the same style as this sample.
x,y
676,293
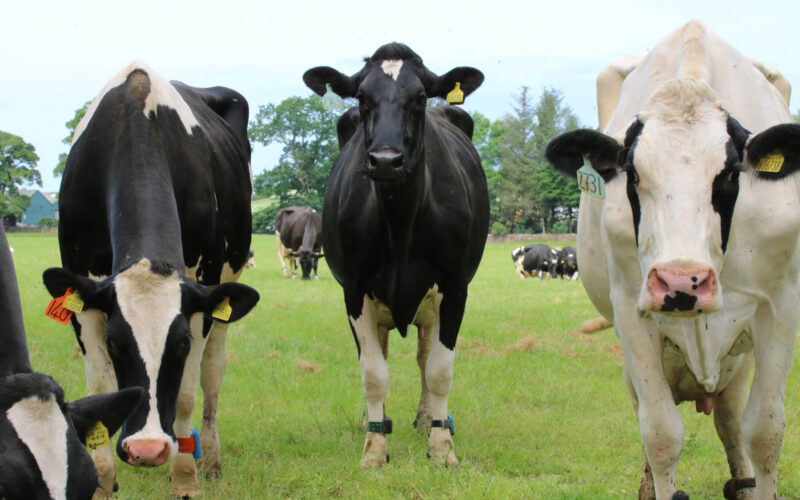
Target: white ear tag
x,y
590,181
331,101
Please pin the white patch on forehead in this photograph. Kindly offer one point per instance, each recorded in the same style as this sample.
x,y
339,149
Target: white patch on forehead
x,y
392,67
42,427
161,92
149,303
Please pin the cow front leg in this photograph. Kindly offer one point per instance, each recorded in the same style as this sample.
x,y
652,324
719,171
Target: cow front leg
x,y
424,416
183,470
281,254
212,370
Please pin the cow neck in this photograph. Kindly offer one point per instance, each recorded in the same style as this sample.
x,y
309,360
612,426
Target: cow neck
x,y
143,219
14,356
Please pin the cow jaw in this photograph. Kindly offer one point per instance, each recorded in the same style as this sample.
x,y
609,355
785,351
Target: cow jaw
x,y
149,303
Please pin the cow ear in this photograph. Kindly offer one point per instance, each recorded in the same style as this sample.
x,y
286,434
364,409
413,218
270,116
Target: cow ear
x,y
567,151
775,152
468,79
317,78
95,294
208,298
110,409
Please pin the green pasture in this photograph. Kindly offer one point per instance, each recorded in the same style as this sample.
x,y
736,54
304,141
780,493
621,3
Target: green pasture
x,y
540,410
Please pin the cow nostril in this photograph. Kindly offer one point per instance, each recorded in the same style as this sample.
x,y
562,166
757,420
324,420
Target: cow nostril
x,y
385,158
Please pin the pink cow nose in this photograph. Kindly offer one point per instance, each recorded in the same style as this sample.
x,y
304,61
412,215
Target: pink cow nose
x,y
681,289
147,452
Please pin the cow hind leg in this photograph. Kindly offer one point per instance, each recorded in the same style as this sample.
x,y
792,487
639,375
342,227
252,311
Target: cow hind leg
x,y
423,420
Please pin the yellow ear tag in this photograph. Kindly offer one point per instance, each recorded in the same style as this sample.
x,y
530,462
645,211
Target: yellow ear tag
x,y
456,96
97,436
770,163
74,302
223,310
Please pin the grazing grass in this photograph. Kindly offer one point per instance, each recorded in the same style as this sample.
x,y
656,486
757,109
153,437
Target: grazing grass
x,y
540,410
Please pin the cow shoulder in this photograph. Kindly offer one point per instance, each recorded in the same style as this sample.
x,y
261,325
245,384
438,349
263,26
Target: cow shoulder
x,y
347,125
456,116
230,105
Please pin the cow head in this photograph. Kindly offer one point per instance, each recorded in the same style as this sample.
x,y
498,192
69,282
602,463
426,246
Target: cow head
x,y
149,306
43,453
680,160
392,91
308,261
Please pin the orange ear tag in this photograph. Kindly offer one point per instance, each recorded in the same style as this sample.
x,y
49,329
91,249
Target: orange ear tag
x,y
56,310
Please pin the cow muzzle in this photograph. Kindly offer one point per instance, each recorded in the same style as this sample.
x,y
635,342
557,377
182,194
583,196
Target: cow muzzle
x,y
682,290
147,452
385,164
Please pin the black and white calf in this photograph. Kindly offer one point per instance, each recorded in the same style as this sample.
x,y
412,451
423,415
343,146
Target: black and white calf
x,y
155,227
42,437
535,260
567,263
404,225
299,234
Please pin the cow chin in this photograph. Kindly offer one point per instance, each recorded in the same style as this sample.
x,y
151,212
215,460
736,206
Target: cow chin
x,y
386,174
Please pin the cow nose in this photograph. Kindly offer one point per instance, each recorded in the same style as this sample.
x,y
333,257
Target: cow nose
x,y
683,289
382,158
147,452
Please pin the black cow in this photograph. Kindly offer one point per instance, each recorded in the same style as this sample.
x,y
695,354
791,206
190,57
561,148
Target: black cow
x,y
567,263
299,234
539,260
155,225
42,438
404,225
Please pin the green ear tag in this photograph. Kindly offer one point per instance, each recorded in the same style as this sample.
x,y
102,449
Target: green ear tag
x,y
590,181
456,96
331,101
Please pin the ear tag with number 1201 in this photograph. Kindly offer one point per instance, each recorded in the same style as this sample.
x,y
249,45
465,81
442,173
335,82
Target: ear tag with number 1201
x,y
590,181
331,100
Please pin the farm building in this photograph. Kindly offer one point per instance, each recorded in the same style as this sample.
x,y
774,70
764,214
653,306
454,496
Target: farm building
x,y
42,205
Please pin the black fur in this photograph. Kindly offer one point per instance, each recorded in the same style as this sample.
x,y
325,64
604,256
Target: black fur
x,y
626,157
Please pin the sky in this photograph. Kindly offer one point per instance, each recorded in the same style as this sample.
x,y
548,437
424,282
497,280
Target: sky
x,y
56,55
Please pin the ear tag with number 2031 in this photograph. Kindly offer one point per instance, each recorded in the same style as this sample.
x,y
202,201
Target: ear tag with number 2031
x,y
590,181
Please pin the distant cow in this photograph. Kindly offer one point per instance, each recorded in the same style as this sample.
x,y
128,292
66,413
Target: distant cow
x,y
696,208
155,227
298,230
43,438
567,263
405,221
535,260
251,260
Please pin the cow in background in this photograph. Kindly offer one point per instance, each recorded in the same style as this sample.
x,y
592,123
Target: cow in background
x,y
567,263
405,220
700,154
298,230
535,260
43,438
154,230
251,260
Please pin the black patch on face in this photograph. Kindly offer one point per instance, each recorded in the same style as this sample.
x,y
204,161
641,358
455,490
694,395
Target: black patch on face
x,y
626,160
161,268
725,189
680,302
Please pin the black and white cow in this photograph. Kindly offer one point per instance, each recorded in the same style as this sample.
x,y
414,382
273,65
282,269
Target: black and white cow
x,y
699,153
299,234
538,260
567,263
405,221
42,437
155,227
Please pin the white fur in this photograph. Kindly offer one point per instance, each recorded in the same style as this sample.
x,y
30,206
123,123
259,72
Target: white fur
x,y
149,303
161,93
392,67
42,427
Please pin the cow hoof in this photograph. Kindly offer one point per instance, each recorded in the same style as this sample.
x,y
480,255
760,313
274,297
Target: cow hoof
x,y
440,448
680,495
376,450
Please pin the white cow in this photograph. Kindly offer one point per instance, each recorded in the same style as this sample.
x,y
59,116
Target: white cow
x,y
675,252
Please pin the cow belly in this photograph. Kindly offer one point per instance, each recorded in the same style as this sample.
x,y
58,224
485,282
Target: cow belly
x,y
683,382
426,311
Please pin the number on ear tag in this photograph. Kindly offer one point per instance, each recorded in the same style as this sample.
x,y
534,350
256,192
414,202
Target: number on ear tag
x,y
331,101
456,96
73,302
97,436
56,310
771,163
590,181
223,310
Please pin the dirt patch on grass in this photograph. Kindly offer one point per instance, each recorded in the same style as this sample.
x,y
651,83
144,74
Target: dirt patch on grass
x,y
308,366
480,348
614,349
523,345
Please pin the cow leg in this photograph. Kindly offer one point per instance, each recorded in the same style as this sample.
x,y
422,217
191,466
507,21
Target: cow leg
x,y
449,310
647,490
212,369
100,378
183,470
281,254
375,380
764,416
423,420
383,338
728,409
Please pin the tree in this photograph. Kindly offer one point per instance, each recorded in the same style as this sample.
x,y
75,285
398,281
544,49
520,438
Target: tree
x,y
308,134
71,126
486,137
17,166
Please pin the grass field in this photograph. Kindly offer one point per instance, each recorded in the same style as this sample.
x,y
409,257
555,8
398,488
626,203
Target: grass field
x,y
540,411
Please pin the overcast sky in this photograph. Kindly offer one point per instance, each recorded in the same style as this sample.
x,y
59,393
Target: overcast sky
x,y
54,56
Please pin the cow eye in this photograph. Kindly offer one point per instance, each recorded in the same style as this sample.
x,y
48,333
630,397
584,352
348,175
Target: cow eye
x,y
633,176
733,175
110,345
186,342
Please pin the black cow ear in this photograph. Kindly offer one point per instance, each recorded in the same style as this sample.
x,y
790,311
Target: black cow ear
x,y
110,409
469,79
317,78
567,151
227,302
95,294
775,152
